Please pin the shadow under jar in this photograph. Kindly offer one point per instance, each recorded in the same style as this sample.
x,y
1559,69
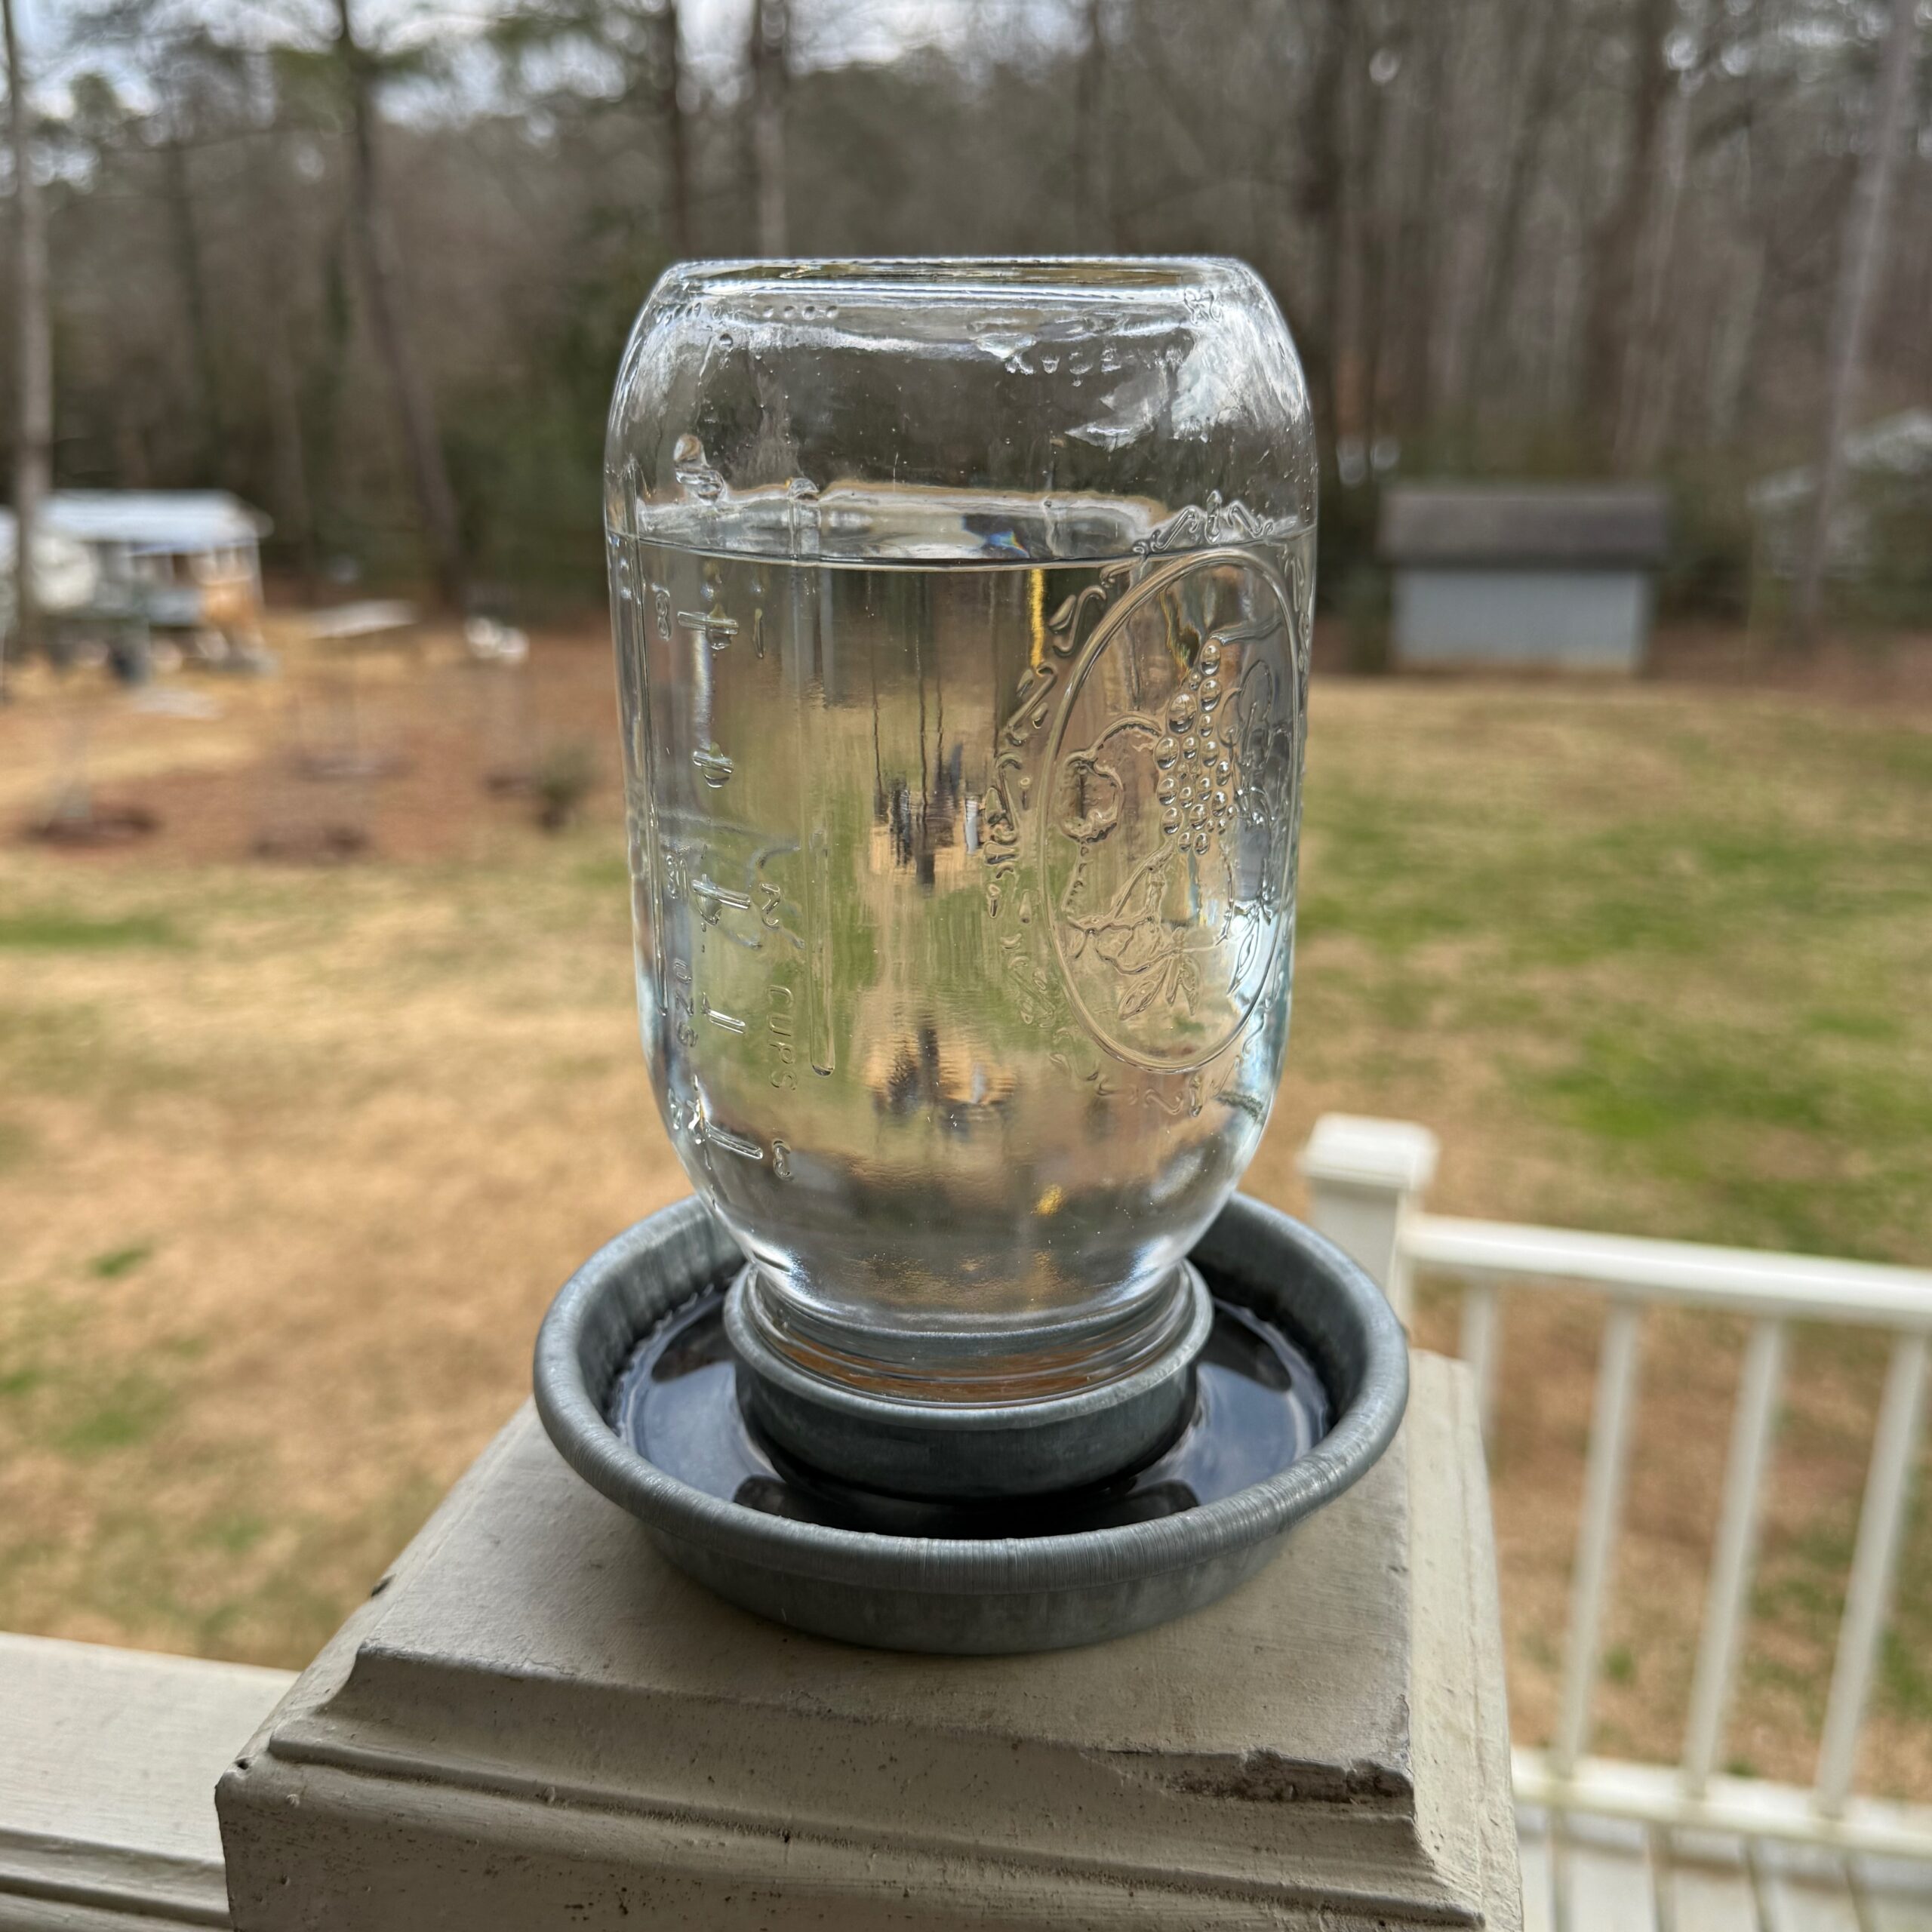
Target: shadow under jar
x,y
961,614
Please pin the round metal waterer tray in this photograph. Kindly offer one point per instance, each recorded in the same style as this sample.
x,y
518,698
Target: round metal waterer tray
x,y
1300,1390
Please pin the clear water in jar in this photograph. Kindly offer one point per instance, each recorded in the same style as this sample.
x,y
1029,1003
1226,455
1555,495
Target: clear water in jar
x,y
963,890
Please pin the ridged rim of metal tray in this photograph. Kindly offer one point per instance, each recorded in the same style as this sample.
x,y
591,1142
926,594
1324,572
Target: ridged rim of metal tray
x,y
1252,1255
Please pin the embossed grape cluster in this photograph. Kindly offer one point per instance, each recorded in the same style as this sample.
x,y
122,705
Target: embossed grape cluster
x,y
1196,787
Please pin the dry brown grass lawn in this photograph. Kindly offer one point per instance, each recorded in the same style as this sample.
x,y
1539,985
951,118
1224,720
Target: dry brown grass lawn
x,y
292,1157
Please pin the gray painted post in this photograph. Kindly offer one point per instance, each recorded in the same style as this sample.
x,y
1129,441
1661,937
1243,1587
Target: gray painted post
x,y
1365,1177
541,1723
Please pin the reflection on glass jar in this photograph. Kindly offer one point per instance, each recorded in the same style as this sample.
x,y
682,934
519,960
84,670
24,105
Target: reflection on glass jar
x,y
963,757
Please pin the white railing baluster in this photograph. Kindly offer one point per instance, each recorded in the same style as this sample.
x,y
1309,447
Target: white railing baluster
x,y
1881,1526
1351,1160
1596,1541
1479,1348
1751,1432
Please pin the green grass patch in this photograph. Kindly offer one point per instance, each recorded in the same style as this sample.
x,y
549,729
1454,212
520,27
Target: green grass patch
x,y
1693,944
48,1038
1875,1029
607,874
1729,1110
55,930
23,1381
237,1533
1400,872
132,1408
90,1048
119,1261
1905,1681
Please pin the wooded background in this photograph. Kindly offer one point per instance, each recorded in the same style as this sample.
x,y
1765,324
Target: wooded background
x,y
373,270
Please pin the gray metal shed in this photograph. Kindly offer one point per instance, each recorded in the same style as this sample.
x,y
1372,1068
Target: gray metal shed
x,y
1554,575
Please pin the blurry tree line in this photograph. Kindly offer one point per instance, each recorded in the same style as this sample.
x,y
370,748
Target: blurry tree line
x,y
372,265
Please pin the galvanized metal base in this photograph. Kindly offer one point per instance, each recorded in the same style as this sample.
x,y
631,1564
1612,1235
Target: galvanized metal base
x,y
986,1594
977,1450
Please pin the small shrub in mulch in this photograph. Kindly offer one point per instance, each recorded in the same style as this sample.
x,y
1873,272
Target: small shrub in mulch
x,y
99,824
319,845
565,778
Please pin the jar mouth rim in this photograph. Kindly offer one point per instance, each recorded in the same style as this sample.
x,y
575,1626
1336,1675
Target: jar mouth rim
x,y
1069,278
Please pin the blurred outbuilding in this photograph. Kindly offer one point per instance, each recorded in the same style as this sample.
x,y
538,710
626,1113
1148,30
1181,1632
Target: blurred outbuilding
x,y
182,561
1550,575
64,572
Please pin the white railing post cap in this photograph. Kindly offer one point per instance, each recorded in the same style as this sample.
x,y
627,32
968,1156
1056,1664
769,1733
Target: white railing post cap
x,y
1352,1150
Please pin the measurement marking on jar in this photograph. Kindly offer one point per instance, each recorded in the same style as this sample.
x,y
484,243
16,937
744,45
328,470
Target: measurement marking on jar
x,y
717,629
732,1143
730,1021
713,766
656,890
678,857
781,1022
818,948
705,887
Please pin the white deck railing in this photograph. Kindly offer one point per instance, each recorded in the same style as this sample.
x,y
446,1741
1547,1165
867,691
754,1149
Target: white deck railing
x,y
1368,1178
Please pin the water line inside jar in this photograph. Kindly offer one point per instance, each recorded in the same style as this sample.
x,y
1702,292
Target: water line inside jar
x,y
963,888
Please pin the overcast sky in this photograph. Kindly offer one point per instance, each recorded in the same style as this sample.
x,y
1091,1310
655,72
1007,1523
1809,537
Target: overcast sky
x,y
829,32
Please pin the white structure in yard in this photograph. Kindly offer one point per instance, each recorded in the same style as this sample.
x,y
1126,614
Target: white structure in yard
x,y
1551,575
64,571
1888,470
185,559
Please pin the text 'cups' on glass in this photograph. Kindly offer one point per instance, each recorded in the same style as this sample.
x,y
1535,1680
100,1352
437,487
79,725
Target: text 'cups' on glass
x,y
962,621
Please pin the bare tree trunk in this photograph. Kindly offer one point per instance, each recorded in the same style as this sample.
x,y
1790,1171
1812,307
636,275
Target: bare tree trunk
x,y
33,439
1093,197
1619,239
194,302
294,513
1858,271
770,32
1323,199
677,134
1372,252
1643,393
1751,298
329,381
291,465
1547,21
375,245
132,469
1777,247
1424,245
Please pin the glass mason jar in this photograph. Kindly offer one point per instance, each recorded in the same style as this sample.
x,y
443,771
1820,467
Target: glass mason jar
x,y
962,614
